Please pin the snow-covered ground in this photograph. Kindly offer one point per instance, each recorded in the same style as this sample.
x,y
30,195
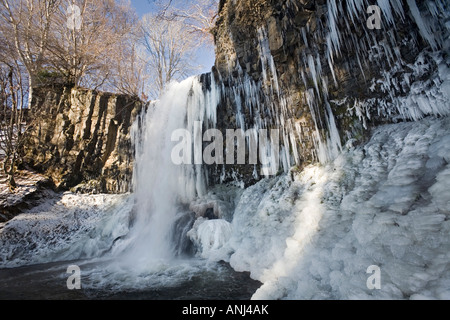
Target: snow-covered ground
x,y
314,234
28,185
65,227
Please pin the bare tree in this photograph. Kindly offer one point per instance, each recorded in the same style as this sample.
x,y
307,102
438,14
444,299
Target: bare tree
x,y
36,36
129,75
86,54
170,50
13,96
26,25
199,16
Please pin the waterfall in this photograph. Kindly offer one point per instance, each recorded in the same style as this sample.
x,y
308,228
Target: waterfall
x,y
163,188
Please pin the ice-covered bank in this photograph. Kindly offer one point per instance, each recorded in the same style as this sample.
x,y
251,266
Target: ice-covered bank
x,y
313,234
65,227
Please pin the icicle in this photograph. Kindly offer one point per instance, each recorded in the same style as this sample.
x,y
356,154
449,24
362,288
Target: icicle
x,y
386,9
305,38
333,38
424,27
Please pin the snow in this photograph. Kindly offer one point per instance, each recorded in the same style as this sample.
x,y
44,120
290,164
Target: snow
x,y
27,184
313,235
440,192
65,227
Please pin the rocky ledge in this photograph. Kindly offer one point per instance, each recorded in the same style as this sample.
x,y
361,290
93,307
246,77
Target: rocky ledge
x,y
81,139
31,186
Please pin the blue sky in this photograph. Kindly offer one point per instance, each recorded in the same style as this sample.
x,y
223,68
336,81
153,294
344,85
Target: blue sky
x,y
206,56
142,6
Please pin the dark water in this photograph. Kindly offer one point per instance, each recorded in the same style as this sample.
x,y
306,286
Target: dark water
x,y
48,282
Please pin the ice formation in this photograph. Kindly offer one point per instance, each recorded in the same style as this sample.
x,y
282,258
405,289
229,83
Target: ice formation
x,y
312,235
65,227
210,236
264,104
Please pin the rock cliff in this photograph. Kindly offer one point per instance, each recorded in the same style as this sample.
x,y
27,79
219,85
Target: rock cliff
x,y
82,138
323,72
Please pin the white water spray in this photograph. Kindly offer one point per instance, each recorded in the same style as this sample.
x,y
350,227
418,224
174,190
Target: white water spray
x,y
162,187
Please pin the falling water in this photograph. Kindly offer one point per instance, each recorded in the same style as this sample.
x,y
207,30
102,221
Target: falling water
x,y
161,187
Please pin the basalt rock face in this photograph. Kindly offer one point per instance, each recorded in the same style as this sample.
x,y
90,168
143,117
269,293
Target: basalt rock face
x,y
323,72
82,139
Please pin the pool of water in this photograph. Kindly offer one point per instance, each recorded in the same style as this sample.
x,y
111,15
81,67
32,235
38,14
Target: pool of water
x,y
182,280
